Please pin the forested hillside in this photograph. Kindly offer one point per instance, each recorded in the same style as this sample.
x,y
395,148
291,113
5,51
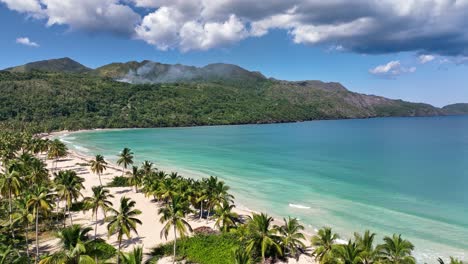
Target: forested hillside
x,y
53,101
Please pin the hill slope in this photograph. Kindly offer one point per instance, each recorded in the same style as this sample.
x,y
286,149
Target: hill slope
x,y
153,72
456,109
54,101
65,65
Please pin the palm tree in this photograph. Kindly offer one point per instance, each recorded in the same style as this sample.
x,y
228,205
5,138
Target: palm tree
x,y
57,150
217,193
324,244
147,167
452,261
123,221
40,201
291,236
23,217
241,256
11,184
125,159
263,237
173,215
225,217
365,243
37,172
133,257
73,240
135,177
68,185
349,253
99,200
396,250
98,166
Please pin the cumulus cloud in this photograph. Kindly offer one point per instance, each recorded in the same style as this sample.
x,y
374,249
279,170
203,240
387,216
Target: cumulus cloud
x,y
25,41
435,27
425,58
391,70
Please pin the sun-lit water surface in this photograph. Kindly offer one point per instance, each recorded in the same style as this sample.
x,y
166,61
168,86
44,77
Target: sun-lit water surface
x,y
390,175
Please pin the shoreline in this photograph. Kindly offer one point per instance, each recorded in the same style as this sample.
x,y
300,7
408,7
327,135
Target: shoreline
x,y
240,209
148,233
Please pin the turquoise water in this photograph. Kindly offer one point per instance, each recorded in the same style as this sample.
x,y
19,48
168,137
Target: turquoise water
x,y
390,175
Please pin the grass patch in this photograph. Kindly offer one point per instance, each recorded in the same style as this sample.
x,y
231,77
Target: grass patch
x,y
202,249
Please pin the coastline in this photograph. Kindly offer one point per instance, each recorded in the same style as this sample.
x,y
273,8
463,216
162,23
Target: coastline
x,y
150,236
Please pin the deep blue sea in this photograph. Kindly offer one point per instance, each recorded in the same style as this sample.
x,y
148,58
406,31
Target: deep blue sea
x,y
389,175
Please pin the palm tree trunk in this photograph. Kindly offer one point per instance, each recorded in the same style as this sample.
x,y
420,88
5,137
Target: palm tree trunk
x,y
10,211
37,235
27,241
201,210
175,242
208,216
118,252
100,182
71,217
95,238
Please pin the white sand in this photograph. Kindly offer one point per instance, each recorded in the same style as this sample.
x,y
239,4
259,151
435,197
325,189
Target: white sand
x,y
149,232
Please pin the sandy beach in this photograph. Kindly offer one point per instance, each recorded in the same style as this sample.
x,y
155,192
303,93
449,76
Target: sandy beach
x,y
149,232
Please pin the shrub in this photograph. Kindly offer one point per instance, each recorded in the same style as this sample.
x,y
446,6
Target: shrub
x,y
119,181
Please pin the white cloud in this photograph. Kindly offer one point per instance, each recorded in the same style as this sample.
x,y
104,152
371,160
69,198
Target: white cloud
x,y
24,6
435,27
25,41
391,70
425,58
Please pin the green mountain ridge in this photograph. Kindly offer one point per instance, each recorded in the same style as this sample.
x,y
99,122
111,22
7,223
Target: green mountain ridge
x,y
150,94
456,109
65,65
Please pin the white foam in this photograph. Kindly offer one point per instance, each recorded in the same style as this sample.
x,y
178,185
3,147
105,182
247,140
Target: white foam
x,y
300,206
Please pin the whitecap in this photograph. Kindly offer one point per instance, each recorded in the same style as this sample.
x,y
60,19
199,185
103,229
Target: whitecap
x,y
300,206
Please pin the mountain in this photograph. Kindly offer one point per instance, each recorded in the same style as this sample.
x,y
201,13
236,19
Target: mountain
x,y
150,94
154,72
65,65
456,109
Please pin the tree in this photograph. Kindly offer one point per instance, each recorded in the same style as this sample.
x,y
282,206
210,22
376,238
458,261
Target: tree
x,y
99,200
10,185
241,256
349,253
396,250
133,257
225,217
125,159
263,238
68,185
98,166
147,167
57,149
37,172
40,201
23,217
73,242
135,177
452,261
365,243
324,244
123,221
217,193
291,236
173,215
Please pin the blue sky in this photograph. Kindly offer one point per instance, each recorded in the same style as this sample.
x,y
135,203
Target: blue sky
x,y
274,42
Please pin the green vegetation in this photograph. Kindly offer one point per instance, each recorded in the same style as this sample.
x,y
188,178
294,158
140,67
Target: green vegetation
x,y
206,249
35,200
58,101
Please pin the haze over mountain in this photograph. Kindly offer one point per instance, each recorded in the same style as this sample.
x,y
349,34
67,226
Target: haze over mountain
x,y
149,94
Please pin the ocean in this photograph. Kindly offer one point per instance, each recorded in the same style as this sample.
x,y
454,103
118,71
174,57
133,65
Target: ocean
x,y
389,175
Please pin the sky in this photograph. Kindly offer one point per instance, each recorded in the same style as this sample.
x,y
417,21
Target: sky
x,y
415,50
